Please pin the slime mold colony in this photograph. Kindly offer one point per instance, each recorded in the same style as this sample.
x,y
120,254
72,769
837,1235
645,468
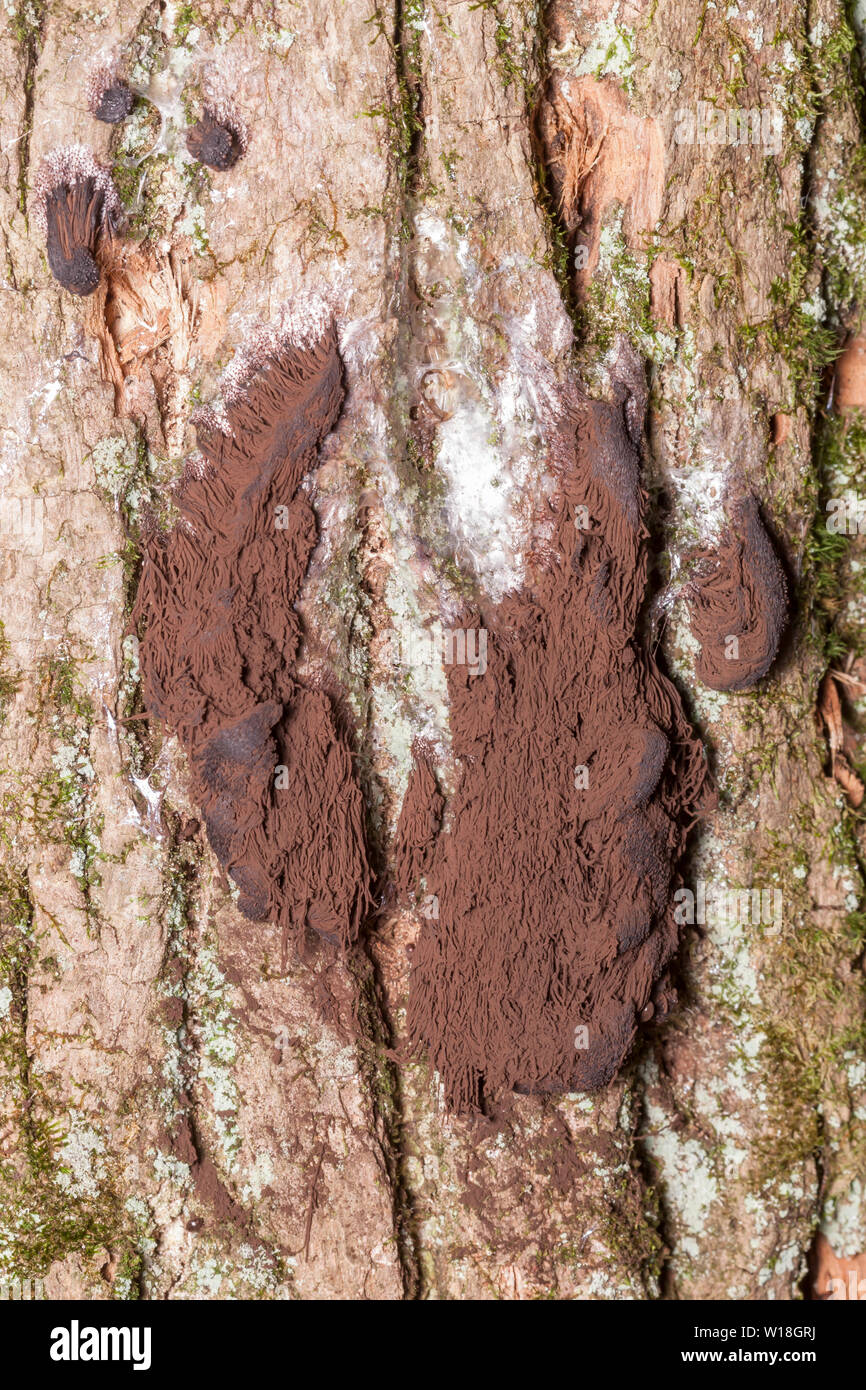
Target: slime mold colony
x,y
578,777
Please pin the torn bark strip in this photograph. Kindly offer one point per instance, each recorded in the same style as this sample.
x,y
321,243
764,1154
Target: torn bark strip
x,y
75,205
579,781
271,770
739,607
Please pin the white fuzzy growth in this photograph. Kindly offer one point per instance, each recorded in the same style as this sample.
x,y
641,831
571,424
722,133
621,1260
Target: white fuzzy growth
x,y
491,445
70,165
701,491
299,325
220,80
152,797
107,73
481,496
164,89
197,465
211,419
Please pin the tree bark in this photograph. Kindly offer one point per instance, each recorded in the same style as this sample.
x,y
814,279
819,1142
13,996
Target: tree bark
x,y
489,196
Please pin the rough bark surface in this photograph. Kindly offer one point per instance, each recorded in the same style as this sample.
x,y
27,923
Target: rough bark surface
x,y
492,198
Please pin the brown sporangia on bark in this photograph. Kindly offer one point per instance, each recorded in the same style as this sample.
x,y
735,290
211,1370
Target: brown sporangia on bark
x,y
218,139
580,778
108,96
272,769
75,206
418,823
739,606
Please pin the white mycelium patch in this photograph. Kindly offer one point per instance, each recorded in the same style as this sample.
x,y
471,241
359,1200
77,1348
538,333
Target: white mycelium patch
x,y
70,165
490,440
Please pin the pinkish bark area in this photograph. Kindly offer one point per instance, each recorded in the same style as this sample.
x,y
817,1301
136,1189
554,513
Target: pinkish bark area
x,y
498,203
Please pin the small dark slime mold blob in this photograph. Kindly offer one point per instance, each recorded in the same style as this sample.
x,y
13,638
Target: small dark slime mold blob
x,y
217,140
109,98
75,205
739,606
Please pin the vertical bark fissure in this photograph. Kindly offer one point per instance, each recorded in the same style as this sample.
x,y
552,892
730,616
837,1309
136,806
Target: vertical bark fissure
x,y
382,1073
30,26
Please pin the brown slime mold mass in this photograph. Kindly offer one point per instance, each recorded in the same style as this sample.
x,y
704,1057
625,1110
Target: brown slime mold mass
x,y
739,608
418,823
271,770
579,781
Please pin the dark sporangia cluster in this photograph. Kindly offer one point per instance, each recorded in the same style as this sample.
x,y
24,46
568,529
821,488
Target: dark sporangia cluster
x,y
108,96
218,139
75,205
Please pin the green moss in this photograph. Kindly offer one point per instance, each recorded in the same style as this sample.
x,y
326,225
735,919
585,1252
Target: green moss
x,y
796,331
10,681
813,1011
510,68
402,113
836,69
321,235
57,684
618,302
804,1065
839,453
630,1225
450,159
27,25
134,481
556,254
42,1220
186,17
844,232
424,487
63,795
